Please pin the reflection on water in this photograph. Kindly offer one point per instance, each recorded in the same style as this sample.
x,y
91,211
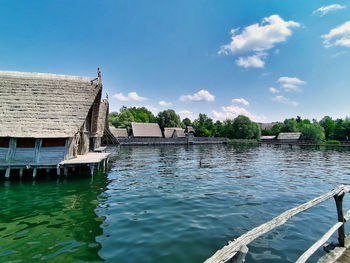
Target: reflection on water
x,y
49,221
159,204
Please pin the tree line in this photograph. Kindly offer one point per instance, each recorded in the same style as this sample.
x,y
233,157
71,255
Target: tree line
x,y
326,130
239,128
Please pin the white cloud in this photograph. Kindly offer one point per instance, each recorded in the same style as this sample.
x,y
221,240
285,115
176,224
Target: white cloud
x,y
164,103
132,96
339,36
326,9
291,84
200,95
254,61
241,101
151,108
257,39
273,90
232,111
284,100
186,114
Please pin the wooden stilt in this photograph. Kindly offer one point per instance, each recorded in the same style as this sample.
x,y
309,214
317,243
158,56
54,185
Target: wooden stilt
x,y
58,171
7,173
20,173
65,171
91,169
34,172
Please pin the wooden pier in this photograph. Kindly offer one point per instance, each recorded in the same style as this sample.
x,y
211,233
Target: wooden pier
x,y
236,250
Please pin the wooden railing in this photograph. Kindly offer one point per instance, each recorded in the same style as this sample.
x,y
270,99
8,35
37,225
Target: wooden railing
x,y
236,250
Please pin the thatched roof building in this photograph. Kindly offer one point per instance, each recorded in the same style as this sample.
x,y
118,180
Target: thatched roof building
x,y
189,129
267,137
146,130
174,132
289,136
119,132
48,118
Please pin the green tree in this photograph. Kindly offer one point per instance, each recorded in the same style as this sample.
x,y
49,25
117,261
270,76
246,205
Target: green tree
x,y
244,128
219,129
329,127
290,125
313,132
113,119
141,114
204,126
124,119
168,118
187,122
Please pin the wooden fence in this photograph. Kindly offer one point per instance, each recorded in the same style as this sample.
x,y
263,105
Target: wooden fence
x,y
236,250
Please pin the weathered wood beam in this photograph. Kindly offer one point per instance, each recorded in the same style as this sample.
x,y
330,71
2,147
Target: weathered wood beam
x,y
7,173
341,231
308,253
229,251
34,172
347,216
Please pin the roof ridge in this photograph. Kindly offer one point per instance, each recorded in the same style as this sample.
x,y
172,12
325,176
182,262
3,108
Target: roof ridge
x,y
37,75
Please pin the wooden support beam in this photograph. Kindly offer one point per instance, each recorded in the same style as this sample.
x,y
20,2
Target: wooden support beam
x,y
20,173
58,171
229,251
8,172
91,169
34,172
341,230
65,171
308,253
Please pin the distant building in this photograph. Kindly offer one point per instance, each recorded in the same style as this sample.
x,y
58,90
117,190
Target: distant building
x,y
119,132
289,136
174,132
46,119
189,129
268,138
151,130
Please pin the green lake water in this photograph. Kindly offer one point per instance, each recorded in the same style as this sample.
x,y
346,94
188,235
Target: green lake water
x,y
157,204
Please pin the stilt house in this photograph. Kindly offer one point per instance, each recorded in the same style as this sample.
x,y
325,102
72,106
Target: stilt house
x,y
47,119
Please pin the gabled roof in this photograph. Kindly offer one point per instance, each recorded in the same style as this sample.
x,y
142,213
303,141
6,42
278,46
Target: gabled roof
x,y
179,133
102,122
169,132
189,129
119,132
41,105
268,137
146,130
289,136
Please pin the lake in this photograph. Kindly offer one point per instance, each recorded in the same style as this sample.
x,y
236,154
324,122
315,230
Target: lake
x,y
158,204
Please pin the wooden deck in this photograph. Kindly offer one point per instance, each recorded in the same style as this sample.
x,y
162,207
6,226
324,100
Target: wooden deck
x,y
89,158
338,255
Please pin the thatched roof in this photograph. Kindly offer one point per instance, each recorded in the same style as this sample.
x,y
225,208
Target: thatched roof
x,y
119,132
43,105
267,126
146,130
102,122
268,137
169,132
179,133
289,136
189,129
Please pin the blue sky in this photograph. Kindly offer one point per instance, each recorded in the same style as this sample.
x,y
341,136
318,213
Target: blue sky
x,y
268,59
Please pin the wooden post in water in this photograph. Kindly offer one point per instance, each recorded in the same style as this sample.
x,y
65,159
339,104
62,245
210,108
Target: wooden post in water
x,y
7,173
21,173
341,231
34,172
